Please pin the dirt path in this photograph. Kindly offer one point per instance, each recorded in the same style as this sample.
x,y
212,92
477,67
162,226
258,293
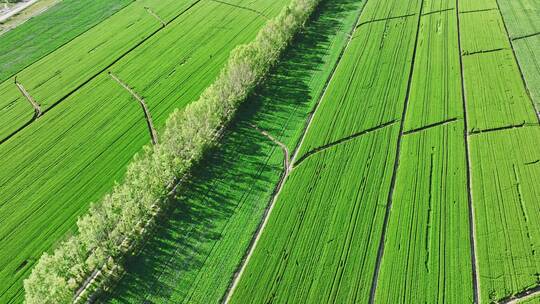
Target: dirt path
x,y
286,161
525,295
151,12
16,9
281,183
343,140
148,117
31,100
25,15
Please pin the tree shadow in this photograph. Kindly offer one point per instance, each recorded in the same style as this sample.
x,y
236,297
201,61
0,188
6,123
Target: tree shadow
x,y
238,176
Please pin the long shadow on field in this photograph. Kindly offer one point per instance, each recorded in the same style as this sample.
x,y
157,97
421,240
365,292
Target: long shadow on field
x,y
196,249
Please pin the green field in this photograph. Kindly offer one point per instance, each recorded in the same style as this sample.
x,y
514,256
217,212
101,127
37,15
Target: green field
x,y
404,211
45,33
71,156
221,208
412,130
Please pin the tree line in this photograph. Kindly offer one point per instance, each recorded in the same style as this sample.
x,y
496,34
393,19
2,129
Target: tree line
x,y
113,227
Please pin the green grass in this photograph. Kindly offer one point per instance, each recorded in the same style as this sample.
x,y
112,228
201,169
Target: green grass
x,y
505,174
521,17
482,31
432,6
370,84
53,77
533,300
45,33
329,212
71,156
50,174
220,209
476,5
521,20
427,257
529,60
497,97
436,81
376,10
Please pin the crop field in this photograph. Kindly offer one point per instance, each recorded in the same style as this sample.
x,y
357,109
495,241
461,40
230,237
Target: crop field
x,y
225,207
414,182
390,155
55,27
54,166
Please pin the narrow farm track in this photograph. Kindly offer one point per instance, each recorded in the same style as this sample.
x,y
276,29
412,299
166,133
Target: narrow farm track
x,y
433,125
33,103
525,36
151,12
286,155
342,140
523,296
147,115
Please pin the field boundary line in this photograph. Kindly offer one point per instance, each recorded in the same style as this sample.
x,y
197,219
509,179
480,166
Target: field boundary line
x,y
472,223
151,12
140,99
483,51
279,187
478,10
384,19
92,77
438,11
242,7
433,125
535,109
521,296
343,140
509,127
525,36
31,100
382,240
